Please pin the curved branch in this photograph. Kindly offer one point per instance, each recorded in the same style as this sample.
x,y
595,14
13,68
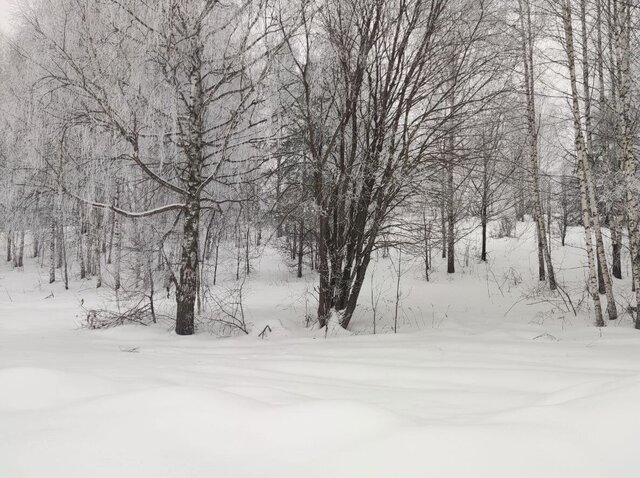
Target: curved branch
x,y
133,140
131,214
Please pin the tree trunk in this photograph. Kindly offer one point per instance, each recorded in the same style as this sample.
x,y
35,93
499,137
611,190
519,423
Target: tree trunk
x,y
604,278
97,249
527,50
186,291
65,270
21,249
294,243
52,252
59,240
215,264
34,232
116,241
626,136
324,293
88,250
397,303
542,275
112,232
427,244
519,195
81,246
582,163
247,242
14,257
605,285
484,208
443,226
117,245
36,243
616,246
300,248
9,243
451,265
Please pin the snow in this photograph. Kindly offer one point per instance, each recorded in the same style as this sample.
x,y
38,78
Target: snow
x,y
480,382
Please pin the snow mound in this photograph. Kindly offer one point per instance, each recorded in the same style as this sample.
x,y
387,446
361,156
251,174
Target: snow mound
x,y
36,388
333,327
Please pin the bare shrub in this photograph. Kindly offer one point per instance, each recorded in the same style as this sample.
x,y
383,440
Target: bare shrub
x,y
506,227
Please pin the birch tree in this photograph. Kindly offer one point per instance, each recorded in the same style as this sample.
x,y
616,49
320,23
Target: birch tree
x,y
181,76
527,42
582,161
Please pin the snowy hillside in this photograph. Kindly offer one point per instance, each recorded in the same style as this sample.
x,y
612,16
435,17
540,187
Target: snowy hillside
x,y
485,378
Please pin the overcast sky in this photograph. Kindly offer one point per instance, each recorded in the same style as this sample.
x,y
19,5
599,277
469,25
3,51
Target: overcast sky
x,y
6,8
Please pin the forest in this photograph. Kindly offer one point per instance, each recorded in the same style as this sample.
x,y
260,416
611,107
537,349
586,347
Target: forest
x,y
430,185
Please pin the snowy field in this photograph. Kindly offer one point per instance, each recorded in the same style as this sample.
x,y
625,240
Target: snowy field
x,y
485,378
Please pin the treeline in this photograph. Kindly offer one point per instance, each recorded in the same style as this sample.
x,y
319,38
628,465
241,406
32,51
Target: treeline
x,y
141,139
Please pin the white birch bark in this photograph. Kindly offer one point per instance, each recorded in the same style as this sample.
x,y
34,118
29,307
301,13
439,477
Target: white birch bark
x,y
626,133
582,159
527,53
604,278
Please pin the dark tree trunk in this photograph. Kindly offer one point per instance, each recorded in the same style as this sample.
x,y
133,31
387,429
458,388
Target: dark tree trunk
x,y
117,242
542,276
300,248
520,196
484,210
112,232
15,250
81,247
34,232
324,293
186,291
59,244
451,264
215,264
483,254
247,262
443,226
616,262
294,243
352,302
427,245
20,255
36,244
65,271
9,240
601,287
97,250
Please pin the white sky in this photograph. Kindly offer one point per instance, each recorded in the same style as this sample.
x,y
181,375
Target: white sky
x,y
6,9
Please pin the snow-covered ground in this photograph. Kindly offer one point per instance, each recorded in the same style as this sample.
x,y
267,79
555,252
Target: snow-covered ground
x,y
486,378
